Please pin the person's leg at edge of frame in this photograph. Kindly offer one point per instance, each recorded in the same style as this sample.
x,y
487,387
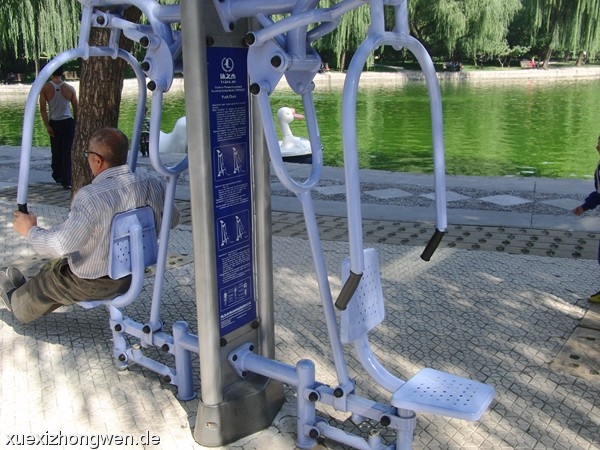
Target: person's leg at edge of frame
x,y
595,298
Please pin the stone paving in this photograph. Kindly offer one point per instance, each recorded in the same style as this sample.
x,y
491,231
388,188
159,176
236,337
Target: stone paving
x,y
505,305
563,243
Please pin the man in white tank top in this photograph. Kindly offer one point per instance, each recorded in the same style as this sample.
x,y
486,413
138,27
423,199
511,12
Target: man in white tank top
x,y
58,107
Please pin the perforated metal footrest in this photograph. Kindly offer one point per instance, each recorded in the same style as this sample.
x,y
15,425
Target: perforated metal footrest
x,y
444,394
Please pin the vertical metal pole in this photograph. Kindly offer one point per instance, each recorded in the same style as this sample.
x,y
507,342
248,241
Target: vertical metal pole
x,y
200,169
263,239
215,69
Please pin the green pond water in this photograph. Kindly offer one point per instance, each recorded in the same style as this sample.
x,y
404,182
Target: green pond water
x,y
518,127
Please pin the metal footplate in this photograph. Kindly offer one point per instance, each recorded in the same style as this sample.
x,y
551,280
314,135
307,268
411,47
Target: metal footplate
x,y
444,394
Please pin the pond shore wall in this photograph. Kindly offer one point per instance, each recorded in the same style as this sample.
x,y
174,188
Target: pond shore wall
x,y
334,79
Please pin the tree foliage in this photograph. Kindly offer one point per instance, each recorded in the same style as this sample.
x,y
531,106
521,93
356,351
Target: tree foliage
x,y
463,28
32,28
476,30
564,25
459,29
346,38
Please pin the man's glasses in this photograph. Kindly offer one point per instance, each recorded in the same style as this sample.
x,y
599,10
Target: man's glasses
x,y
87,153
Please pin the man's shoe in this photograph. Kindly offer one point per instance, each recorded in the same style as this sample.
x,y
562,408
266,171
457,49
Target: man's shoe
x,y
594,298
16,276
6,287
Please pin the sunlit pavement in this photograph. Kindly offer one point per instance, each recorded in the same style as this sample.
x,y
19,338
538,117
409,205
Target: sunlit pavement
x,y
502,301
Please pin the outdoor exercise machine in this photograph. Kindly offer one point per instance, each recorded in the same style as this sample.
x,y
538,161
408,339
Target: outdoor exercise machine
x,y
284,48
162,61
236,52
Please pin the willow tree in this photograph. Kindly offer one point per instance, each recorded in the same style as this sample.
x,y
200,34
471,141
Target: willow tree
x,y
569,25
31,29
349,34
472,28
488,28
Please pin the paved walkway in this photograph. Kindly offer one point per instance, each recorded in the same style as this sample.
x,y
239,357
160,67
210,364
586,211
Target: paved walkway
x,y
502,301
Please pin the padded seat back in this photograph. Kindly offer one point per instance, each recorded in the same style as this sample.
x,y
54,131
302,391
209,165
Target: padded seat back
x,y
119,263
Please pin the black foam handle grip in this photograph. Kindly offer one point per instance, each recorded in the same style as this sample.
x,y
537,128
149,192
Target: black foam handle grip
x,y
432,245
347,291
22,208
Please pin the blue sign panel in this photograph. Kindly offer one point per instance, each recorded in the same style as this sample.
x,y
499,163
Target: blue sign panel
x,y
232,195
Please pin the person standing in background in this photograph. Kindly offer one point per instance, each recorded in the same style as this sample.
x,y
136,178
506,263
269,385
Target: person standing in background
x,y
59,107
591,202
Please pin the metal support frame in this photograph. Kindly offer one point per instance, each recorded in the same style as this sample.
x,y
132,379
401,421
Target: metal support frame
x,y
283,48
162,60
223,395
252,381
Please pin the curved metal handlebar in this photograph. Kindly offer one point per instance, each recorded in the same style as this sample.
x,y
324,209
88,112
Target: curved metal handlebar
x,y
275,152
29,118
398,40
32,100
155,119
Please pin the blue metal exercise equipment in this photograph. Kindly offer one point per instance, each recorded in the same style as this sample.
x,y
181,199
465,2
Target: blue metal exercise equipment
x,y
162,61
284,48
237,51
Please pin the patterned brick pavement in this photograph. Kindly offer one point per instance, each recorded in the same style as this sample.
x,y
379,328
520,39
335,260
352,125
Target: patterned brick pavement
x,y
511,240
503,305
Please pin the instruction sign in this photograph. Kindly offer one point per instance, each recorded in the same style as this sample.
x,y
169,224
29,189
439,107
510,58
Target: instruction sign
x,y
232,188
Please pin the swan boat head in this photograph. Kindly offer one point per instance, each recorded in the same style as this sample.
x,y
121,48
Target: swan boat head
x,y
291,145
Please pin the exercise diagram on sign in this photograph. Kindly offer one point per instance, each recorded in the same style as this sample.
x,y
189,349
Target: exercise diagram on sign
x,y
231,160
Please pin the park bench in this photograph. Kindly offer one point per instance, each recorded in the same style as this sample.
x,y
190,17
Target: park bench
x,y
527,64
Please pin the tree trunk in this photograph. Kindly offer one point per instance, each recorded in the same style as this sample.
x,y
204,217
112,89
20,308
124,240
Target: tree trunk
x,y
546,64
100,86
581,59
